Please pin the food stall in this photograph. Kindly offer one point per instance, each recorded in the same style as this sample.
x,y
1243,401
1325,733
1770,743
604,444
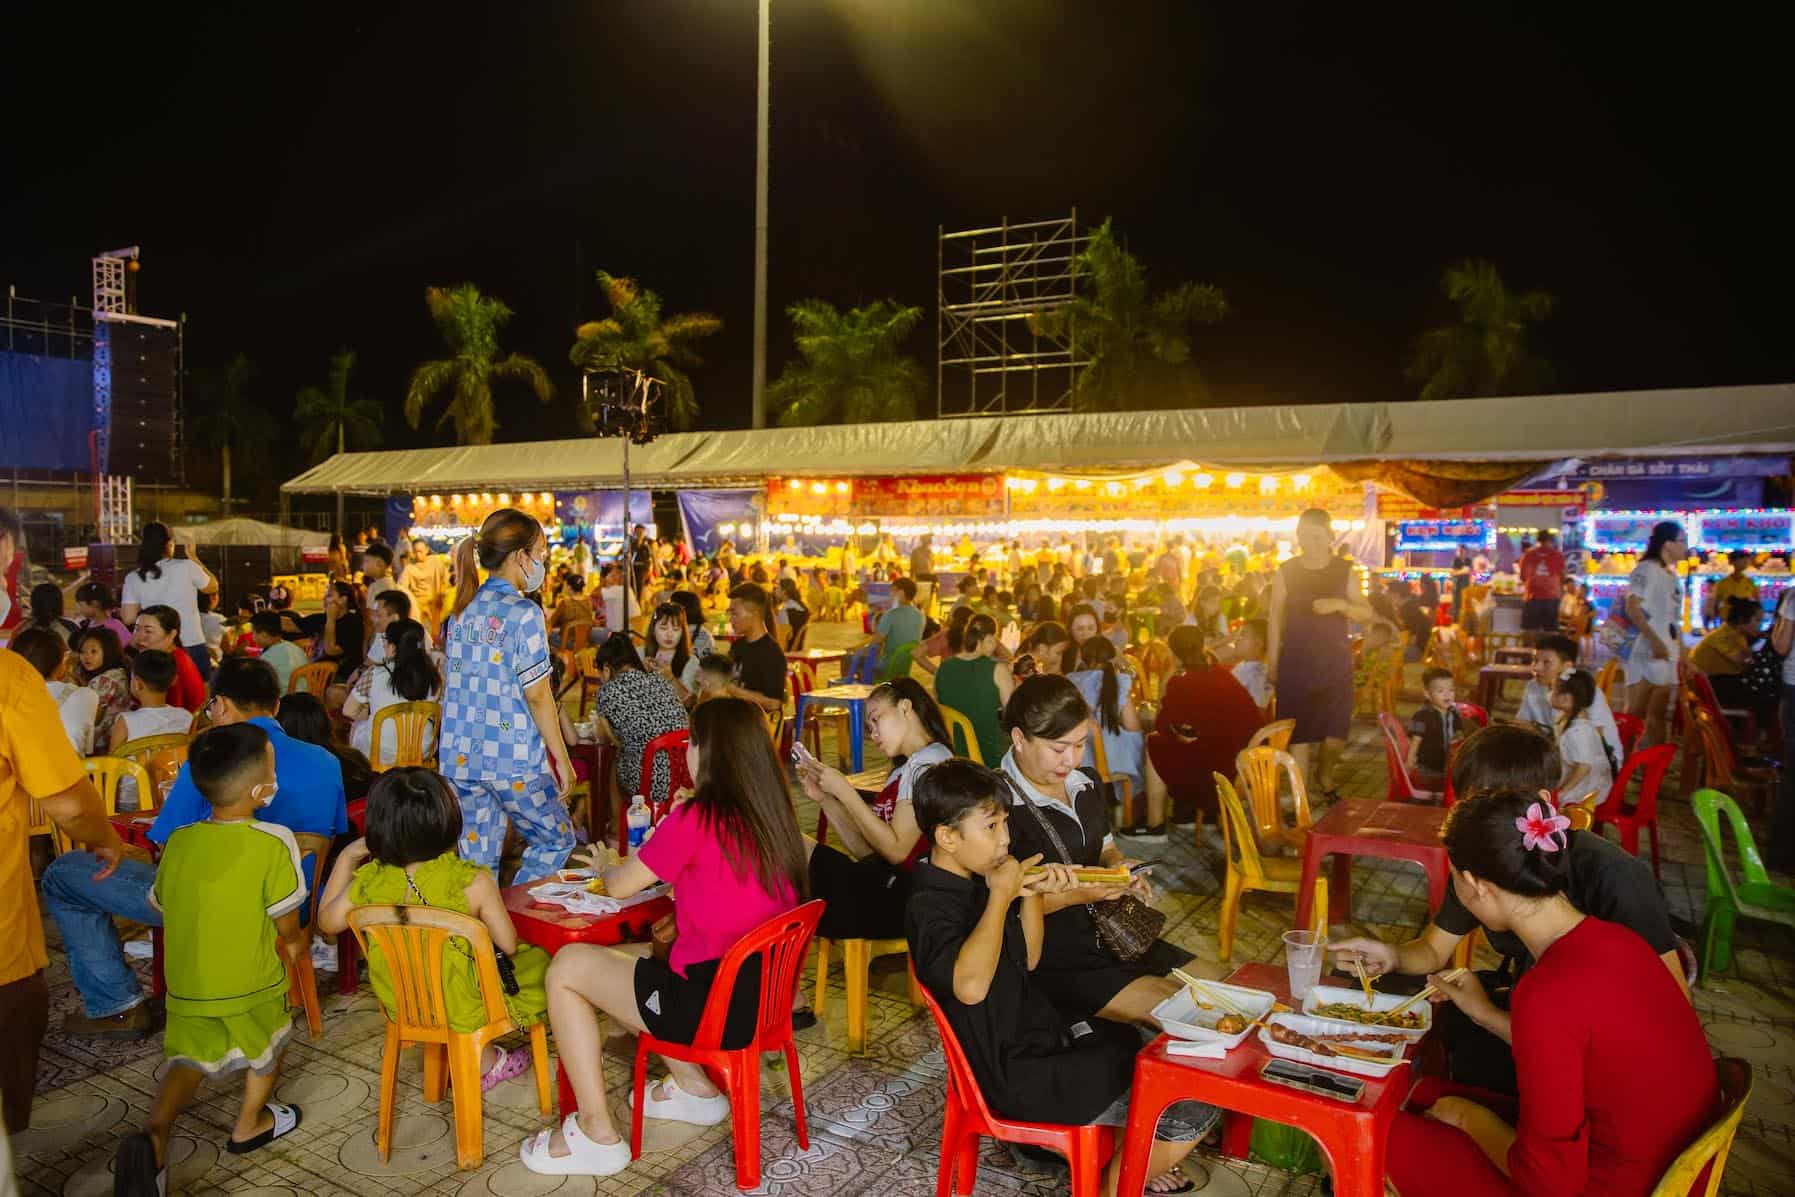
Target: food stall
x,y
1614,540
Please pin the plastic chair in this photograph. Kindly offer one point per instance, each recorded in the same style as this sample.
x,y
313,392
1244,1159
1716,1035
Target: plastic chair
x,y
1707,1155
1100,761
1631,728
1741,724
1086,1148
312,679
1723,771
673,744
897,662
1256,772
1605,679
302,981
1396,756
857,956
1655,763
408,721
584,663
961,735
162,756
1275,734
1755,897
1582,814
1247,870
1473,712
1157,665
412,940
780,943
105,772
802,679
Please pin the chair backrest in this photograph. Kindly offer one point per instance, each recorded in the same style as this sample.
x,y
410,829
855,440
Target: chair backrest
x,y
411,941
1238,844
106,772
1630,727
1650,765
408,721
1157,664
1473,712
1259,772
312,679
780,942
1717,751
1581,814
161,756
897,663
1709,1151
1709,805
1275,734
318,848
798,637
1605,678
802,676
674,744
1703,690
576,635
964,739
1396,753
584,661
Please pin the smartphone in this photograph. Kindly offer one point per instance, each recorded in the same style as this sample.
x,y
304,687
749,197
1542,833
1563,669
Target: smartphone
x,y
802,756
1313,1080
1139,869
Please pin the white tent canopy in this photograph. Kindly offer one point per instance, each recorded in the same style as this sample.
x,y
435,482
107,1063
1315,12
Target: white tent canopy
x,y
248,532
1710,420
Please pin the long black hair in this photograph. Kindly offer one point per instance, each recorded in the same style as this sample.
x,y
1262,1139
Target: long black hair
x,y
1581,689
501,534
1662,534
740,795
1099,653
303,717
1505,758
408,664
152,546
616,652
908,689
1482,839
112,653
682,650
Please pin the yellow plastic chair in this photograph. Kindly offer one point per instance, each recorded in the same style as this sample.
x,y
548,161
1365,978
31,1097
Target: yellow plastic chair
x,y
1605,678
408,721
161,756
302,982
1715,1142
960,727
1101,758
1247,870
585,666
312,679
106,772
857,956
411,941
1256,771
1582,813
1275,734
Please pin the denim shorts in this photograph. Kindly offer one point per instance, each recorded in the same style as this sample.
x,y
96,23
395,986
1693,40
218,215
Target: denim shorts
x,y
1182,1122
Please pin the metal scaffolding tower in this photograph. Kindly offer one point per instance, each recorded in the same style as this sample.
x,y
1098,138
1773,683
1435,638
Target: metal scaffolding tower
x,y
989,361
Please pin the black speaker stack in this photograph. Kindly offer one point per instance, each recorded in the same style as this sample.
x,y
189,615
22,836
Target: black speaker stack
x,y
145,402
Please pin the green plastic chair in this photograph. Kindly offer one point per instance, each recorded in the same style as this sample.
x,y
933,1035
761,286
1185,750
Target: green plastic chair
x,y
1756,897
897,664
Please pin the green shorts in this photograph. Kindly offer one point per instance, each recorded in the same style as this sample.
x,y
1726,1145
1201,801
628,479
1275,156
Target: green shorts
x,y
251,1040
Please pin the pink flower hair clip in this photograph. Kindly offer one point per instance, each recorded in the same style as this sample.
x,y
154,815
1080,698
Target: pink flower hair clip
x,y
1543,828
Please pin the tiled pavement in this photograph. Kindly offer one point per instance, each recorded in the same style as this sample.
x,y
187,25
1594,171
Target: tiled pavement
x,y
875,1120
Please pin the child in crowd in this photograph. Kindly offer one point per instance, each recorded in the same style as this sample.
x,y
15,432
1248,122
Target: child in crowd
x,y
78,706
975,928
714,674
152,674
1589,764
94,603
1554,657
1209,614
230,882
277,650
1432,729
1249,668
100,666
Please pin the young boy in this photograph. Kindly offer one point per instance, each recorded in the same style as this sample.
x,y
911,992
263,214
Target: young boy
x,y
1553,657
392,604
1249,670
714,674
229,888
152,673
974,924
277,650
1432,730
377,570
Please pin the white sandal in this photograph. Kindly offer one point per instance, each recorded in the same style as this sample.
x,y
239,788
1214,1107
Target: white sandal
x,y
583,1158
676,1105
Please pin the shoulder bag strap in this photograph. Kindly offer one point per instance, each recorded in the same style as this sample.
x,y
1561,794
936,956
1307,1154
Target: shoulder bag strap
x,y
1053,836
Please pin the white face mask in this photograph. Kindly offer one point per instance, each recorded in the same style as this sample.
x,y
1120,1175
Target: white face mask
x,y
534,573
264,793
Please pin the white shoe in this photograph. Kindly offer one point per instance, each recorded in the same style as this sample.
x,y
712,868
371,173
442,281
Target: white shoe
x,y
139,949
583,1158
324,955
676,1105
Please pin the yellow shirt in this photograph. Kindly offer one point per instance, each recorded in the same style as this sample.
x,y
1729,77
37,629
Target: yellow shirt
x,y
1733,586
35,760
1711,655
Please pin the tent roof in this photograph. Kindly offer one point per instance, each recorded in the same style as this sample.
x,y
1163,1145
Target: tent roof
x,y
247,531
1526,428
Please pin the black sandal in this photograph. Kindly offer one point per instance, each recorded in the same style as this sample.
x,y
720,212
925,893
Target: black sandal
x,y
135,1171
286,1121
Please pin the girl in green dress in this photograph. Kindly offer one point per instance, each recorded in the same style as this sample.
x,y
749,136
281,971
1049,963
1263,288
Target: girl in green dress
x,y
408,858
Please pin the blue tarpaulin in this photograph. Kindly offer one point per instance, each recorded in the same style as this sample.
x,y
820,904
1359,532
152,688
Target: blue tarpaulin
x,y
46,412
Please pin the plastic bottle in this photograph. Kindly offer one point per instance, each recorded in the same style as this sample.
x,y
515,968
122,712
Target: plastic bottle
x,y
639,819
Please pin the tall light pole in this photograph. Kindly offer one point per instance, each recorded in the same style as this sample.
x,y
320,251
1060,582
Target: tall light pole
x,y
760,222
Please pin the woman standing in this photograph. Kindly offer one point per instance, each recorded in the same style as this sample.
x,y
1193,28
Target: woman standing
x,y
1206,719
976,684
162,579
636,706
501,743
1312,596
338,560
1655,607
792,612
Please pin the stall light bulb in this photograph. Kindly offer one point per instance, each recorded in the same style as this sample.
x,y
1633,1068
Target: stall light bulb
x,y
794,484
436,500
819,488
1203,481
1300,482
1173,478
1235,481
841,488
1056,485
1113,489
1268,485
1081,484
504,499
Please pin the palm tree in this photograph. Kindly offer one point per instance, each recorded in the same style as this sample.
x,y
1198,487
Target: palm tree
x,y
1485,353
229,420
331,420
635,336
853,369
1133,340
470,324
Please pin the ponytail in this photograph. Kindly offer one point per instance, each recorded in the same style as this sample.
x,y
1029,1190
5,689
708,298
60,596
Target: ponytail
x,y
413,673
152,546
467,577
1099,653
503,533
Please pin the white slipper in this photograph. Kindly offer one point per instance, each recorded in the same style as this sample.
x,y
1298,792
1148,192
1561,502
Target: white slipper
x,y
583,1158
679,1106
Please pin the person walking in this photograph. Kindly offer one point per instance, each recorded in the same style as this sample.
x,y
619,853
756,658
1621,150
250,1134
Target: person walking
x,y
1542,584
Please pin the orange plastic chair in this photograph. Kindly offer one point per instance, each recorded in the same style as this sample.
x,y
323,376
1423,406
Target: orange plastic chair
x,y
1654,763
857,956
312,679
780,942
1396,756
1605,678
105,772
1275,734
1256,772
961,735
1157,664
1707,1155
162,756
1247,870
1100,758
1086,1148
302,981
1581,814
1723,771
412,940
584,663
408,721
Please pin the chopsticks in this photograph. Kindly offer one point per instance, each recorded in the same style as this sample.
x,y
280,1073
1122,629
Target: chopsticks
x,y
1429,991
1364,982
1197,986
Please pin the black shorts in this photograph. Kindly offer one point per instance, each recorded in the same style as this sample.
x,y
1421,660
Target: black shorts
x,y
672,1006
864,898
1539,615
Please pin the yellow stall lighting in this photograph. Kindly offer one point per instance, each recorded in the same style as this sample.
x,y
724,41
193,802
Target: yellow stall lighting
x,y
1056,485
1173,478
1236,481
504,499
1081,484
1300,482
841,488
1268,485
1203,481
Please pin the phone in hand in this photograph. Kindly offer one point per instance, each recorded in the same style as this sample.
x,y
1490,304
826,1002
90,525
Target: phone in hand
x,y
802,756
1140,868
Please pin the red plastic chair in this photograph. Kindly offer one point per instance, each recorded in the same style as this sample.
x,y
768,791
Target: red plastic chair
x,y
1655,762
1631,728
1396,755
1741,724
674,744
780,942
1473,712
1086,1148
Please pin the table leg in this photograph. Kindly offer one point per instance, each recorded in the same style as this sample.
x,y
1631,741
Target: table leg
x,y
1357,1156
857,733
1305,893
1437,878
798,722
1137,1138
1340,897
1237,1135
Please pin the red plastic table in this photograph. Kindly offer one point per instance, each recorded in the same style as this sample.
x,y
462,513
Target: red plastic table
x,y
1353,1135
1490,679
1367,827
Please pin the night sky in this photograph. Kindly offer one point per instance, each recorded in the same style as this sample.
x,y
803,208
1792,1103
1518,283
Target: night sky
x,y
297,174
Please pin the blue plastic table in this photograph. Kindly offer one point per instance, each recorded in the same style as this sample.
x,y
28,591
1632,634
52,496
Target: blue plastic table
x,y
851,697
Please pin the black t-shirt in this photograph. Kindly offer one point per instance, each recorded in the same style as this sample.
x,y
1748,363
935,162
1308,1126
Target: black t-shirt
x,y
760,666
1605,883
1436,729
351,646
1031,1062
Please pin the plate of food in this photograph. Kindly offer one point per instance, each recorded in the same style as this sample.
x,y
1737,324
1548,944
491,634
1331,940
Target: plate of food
x,y
1198,1016
1348,1005
1341,1046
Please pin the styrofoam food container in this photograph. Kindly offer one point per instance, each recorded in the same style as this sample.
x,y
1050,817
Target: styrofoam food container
x,y
1323,995
1326,1026
1182,1019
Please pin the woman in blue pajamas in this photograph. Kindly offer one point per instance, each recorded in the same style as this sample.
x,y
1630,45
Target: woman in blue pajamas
x,y
501,743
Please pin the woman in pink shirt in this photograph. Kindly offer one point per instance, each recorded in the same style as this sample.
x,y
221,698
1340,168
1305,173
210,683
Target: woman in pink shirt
x,y
735,858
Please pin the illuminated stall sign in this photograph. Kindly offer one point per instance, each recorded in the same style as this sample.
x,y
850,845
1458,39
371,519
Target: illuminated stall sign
x,y
960,496
1440,536
1751,530
1607,531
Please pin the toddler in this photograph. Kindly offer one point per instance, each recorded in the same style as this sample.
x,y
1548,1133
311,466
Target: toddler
x,y
1433,729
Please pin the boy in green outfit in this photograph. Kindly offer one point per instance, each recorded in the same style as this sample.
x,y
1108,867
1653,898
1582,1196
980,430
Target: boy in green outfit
x,y
230,891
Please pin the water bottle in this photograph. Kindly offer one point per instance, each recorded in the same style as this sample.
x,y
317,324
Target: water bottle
x,y
639,819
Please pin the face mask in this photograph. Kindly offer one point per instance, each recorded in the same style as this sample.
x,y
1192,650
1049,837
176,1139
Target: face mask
x,y
264,793
534,573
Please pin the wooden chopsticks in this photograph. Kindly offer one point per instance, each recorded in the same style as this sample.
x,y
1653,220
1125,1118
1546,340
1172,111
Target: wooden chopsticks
x,y
1429,991
1198,987
1364,982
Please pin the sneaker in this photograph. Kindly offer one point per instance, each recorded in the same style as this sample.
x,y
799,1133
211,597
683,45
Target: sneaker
x,y
139,949
139,1022
324,955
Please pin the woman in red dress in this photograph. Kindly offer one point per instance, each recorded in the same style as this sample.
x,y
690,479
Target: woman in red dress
x,y
1615,1076
1205,720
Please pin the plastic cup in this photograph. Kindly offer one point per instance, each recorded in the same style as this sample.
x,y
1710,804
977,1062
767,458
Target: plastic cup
x,y
1302,957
